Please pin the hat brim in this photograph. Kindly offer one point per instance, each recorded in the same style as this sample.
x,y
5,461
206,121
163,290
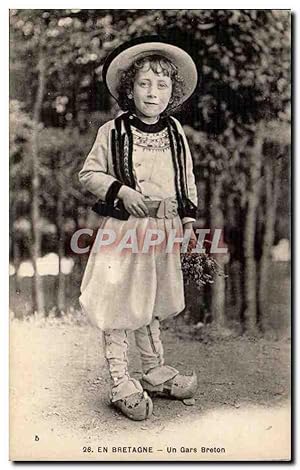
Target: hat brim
x,y
118,62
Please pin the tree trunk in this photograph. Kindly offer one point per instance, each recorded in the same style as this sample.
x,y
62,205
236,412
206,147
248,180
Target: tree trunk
x,y
38,293
271,185
206,292
61,296
249,314
14,240
218,287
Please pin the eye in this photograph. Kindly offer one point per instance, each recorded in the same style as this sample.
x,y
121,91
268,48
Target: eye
x,y
162,85
143,84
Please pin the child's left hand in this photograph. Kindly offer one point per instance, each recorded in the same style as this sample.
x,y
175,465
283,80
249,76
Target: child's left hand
x,y
193,237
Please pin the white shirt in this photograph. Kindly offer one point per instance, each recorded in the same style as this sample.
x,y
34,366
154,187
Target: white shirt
x,y
153,165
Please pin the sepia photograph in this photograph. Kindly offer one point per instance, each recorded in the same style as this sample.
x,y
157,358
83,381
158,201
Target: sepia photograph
x,y
150,235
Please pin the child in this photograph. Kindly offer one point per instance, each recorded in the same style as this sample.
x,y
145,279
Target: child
x,y
140,168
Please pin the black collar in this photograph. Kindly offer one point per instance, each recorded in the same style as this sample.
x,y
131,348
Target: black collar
x,y
142,126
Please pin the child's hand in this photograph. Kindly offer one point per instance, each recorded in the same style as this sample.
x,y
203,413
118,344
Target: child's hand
x,y
133,202
193,237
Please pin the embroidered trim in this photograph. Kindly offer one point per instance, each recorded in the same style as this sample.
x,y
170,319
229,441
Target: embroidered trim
x,y
127,152
115,158
184,162
125,147
155,141
179,159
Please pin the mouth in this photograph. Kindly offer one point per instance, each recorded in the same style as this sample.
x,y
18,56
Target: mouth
x,y
150,103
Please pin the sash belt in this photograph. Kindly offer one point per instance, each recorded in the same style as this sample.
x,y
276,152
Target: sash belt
x,y
164,209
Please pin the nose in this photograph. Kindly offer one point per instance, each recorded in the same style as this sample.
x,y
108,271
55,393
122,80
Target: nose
x,y
152,91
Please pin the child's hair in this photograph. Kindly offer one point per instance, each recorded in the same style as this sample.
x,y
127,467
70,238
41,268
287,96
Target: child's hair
x,y
156,62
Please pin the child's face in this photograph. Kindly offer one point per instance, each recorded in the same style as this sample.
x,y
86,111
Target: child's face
x,y
151,92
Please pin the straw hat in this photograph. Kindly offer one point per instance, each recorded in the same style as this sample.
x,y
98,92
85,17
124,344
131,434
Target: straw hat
x,y
123,57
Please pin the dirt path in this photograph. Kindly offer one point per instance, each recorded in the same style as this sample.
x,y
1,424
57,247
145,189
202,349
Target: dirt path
x,y
59,399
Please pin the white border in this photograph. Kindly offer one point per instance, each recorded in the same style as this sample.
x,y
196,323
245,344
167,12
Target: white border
x,y
174,4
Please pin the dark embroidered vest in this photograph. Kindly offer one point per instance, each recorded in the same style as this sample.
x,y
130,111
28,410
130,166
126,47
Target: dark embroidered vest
x,y
122,148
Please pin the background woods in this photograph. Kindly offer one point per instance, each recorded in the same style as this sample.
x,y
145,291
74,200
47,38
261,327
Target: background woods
x,y
237,124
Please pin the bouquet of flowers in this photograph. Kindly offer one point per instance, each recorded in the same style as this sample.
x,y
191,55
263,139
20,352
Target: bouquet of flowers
x,y
199,268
